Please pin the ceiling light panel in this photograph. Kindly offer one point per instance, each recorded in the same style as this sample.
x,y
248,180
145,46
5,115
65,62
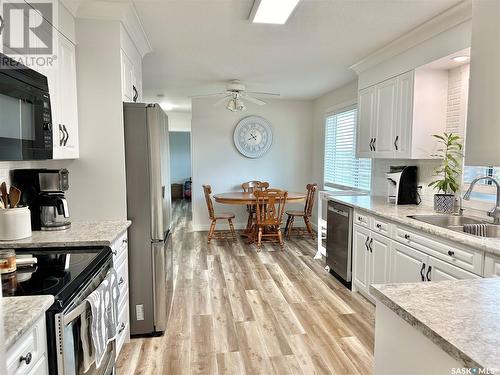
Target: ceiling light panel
x,y
273,11
460,58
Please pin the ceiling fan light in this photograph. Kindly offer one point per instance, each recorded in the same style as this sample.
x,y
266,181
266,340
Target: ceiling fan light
x,y
231,105
240,106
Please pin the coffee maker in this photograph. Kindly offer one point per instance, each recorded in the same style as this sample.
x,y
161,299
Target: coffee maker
x,y
43,192
402,185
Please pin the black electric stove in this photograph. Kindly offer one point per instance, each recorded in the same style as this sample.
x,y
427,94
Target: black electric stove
x,y
58,272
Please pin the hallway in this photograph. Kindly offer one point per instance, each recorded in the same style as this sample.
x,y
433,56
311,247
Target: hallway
x,y
236,311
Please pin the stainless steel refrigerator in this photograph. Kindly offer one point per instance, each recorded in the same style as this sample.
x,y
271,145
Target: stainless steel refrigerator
x,y
149,208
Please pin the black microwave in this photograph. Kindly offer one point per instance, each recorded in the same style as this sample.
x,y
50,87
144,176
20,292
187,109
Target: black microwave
x,y
25,113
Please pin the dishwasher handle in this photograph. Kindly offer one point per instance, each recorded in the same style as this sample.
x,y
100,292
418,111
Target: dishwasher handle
x,y
339,212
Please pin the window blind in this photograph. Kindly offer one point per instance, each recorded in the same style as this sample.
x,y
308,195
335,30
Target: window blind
x,y
342,168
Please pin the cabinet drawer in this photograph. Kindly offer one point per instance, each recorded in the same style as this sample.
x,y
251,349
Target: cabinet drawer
x,y
460,256
122,273
380,226
41,367
33,343
119,246
123,327
362,219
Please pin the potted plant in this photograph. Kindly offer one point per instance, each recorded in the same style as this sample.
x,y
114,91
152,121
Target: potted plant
x,y
448,173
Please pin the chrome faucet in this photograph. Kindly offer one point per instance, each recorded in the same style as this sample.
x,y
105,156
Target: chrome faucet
x,y
495,212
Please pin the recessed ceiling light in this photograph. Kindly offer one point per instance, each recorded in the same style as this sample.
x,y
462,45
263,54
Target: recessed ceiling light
x,y
460,58
160,95
272,11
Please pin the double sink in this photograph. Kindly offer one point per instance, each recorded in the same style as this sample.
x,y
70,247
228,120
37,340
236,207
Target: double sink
x,y
456,223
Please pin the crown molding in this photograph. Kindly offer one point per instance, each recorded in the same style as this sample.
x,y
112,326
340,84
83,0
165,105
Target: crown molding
x,y
118,11
444,21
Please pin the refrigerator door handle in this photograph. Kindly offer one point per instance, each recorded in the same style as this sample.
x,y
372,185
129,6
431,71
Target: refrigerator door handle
x,y
159,285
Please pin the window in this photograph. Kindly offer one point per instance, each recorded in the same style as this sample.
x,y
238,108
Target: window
x,y
342,168
484,189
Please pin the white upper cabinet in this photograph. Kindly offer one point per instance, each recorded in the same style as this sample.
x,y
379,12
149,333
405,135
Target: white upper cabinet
x,y
366,119
483,117
129,79
398,116
66,126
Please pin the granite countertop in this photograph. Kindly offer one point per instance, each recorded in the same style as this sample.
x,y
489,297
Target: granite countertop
x,y
462,317
99,233
20,313
399,214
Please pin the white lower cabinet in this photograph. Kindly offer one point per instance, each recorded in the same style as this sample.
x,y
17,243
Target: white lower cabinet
x,y
408,265
491,266
28,354
120,264
385,252
411,265
371,259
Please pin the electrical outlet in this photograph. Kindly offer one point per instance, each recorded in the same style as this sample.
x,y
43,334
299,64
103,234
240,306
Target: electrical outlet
x,y
139,312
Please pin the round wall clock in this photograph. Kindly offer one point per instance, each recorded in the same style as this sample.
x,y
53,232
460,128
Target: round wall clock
x,y
253,136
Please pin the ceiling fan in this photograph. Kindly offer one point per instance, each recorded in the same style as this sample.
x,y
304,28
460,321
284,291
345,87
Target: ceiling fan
x,y
234,94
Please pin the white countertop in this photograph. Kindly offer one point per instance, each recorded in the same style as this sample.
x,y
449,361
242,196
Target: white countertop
x,y
400,213
20,313
462,317
99,233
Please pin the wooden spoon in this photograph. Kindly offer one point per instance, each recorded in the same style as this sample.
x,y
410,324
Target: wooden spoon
x,y
14,196
5,196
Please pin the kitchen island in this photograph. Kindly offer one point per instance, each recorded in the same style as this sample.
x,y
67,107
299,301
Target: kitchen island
x,y
438,328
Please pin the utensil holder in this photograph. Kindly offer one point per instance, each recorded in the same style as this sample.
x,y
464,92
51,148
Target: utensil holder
x,y
15,223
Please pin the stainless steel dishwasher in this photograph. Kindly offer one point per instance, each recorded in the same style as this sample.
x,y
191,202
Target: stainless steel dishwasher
x,y
339,241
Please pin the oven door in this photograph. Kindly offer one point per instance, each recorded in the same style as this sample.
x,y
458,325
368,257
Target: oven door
x,y
67,356
25,121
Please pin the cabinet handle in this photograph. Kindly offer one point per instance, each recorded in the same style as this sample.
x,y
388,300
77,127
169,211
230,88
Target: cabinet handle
x,y
379,226
366,243
374,146
61,138
407,236
422,272
428,274
67,135
124,240
371,144
370,245
122,327
451,253
396,142
136,94
121,281
114,252
27,358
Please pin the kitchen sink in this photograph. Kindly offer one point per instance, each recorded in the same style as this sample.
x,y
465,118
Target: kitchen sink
x,y
492,231
456,223
446,220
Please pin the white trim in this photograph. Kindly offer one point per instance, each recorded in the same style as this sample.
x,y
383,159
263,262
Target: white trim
x,y
444,21
123,12
340,107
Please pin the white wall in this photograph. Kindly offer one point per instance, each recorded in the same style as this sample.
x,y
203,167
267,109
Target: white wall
x,y
180,157
179,121
98,190
216,161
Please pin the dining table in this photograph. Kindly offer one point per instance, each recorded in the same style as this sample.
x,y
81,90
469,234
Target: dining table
x,y
245,198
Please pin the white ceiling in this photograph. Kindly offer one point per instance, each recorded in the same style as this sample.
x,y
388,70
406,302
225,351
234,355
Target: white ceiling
x,y
200,44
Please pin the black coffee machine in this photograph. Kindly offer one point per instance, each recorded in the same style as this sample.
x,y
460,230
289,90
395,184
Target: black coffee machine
x,y
43,192
402,187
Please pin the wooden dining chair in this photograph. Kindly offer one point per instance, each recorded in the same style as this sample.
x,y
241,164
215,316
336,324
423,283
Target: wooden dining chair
x,y
270,207
212,233
250,187
306,214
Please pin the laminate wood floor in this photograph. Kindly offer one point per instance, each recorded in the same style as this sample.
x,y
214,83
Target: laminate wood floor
x,y
237,311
